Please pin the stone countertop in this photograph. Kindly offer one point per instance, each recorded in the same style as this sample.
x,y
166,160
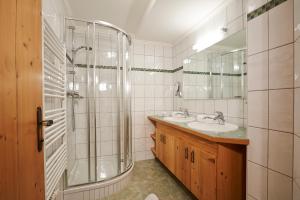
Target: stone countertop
x,y
233,137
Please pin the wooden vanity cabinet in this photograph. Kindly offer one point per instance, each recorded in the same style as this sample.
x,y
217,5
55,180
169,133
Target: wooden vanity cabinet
x,y
210,170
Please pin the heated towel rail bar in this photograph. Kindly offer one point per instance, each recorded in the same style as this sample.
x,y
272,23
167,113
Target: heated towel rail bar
x,y
54,95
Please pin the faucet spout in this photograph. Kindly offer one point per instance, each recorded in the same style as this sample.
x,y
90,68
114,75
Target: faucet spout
x,y
219,116
185,111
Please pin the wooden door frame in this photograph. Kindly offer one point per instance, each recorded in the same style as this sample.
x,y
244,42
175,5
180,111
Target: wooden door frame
x,y
21,165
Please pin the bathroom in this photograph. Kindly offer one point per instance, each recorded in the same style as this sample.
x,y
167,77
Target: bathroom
x,y
150,100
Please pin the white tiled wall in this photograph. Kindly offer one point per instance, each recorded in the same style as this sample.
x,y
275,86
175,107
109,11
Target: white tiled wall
x,y
273,104
152,91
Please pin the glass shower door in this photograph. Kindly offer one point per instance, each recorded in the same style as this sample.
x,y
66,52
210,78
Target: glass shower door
x,y
79,81
112,102
99,129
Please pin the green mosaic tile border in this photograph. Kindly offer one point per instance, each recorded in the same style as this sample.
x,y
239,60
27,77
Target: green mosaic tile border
x,y
263,9
152,70
159,70
213,74
178,69
134,68
193,72
97,66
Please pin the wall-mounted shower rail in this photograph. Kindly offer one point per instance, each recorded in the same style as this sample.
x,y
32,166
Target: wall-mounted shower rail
x,y
54,87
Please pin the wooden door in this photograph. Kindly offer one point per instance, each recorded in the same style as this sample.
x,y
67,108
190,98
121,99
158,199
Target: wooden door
x,y
195,171
182,162
180,155
159,144
187,166
169,151
21,166
208,176
203,174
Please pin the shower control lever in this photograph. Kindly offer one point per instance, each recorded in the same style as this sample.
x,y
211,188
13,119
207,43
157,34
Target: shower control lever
x,y
40,124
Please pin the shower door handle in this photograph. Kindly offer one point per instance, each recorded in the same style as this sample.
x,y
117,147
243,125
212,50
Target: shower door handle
x,y
40,124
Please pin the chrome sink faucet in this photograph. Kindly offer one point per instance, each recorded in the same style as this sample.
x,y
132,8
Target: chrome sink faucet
x,y
219,116
185,111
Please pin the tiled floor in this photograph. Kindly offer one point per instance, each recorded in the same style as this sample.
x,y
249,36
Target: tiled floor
x,y
151,177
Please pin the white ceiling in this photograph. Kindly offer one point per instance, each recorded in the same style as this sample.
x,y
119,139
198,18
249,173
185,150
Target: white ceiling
x,y
157,20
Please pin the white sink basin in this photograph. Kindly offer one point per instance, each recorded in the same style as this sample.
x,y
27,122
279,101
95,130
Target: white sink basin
x,y
180,119
213,127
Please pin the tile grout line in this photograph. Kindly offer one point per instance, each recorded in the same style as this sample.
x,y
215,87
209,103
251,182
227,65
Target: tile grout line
x,y
267,168
269,49
268,154
294,102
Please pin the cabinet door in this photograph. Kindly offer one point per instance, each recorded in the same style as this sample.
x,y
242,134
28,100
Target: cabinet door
x,y
203,174
208,176
169,151
180,155
182,168
195,171
159,145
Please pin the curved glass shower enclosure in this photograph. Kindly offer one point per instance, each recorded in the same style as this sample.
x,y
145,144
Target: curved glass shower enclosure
x,y
98,101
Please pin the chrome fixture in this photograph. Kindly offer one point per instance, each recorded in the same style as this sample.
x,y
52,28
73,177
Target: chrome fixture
x,y
219,116
185,112
224,29
178,87
74,94
82,47
71,72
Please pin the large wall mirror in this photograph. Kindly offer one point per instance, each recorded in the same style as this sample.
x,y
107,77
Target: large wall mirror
x,y
218,72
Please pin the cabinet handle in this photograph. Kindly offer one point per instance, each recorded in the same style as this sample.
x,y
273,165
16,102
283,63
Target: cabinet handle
x,y
186,153
164,138
193,156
